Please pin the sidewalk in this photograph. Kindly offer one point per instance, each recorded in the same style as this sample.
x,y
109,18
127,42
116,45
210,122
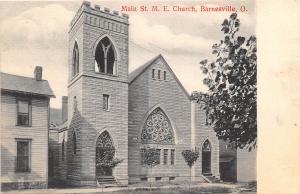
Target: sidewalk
x,y
235,188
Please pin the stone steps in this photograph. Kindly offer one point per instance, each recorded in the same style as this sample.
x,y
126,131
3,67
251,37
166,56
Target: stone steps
x,y
107,181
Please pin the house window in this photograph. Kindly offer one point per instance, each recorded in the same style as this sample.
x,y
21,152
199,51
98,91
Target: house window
x,y
75,62
172,157
165,75
158,74
74,143
165,156
105,57
105,101
153,73
24,113
23,156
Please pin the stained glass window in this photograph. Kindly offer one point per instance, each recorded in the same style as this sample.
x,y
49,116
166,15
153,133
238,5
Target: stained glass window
x,y
158,156
165,156
142,156
105,145
74,143
105,153
157,129
206,146
172,157
63,149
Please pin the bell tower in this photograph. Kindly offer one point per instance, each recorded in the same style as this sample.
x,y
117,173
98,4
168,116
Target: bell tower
x,y
97,93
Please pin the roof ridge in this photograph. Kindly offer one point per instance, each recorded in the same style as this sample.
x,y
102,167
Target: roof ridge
x,y
21,76
138,71
135,73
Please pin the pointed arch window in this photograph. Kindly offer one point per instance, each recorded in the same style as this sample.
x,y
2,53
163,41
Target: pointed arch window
x,y
206,157
105,57
74,143
75,60
63,150
105,153
157,129
206,146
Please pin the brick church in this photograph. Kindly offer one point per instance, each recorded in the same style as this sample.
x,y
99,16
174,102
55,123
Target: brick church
x,y
108,110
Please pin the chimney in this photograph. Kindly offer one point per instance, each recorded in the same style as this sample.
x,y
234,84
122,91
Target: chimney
x,y
38,72
64,109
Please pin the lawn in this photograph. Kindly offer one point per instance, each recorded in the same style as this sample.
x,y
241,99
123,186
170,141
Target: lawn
x,y
176,190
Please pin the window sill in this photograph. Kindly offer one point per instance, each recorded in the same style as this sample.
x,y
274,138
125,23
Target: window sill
x,y
107,74
22,172
23,125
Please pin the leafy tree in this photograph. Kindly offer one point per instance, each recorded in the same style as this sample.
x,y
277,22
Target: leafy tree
x,y
106,158
190,157
151,158
232,92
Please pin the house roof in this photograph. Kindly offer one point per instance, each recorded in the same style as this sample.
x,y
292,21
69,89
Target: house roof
x,y
28,85
137,72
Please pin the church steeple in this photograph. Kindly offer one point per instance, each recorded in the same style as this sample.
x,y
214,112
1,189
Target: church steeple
x,y
98,87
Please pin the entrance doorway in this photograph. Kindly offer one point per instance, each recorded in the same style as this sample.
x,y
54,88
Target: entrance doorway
x,y
105,153
206,158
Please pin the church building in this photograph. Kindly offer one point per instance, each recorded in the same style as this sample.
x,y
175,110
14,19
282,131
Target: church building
x,y
110,114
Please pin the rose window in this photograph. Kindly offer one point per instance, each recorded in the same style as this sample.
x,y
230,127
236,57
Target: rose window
x,y
157,129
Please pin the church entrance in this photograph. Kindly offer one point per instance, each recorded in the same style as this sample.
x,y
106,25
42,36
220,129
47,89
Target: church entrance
x,y
206,158
105,153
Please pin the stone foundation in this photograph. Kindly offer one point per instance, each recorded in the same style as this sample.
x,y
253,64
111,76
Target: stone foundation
x,y
23,185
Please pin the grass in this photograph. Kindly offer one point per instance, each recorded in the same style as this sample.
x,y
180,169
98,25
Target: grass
x,y
179,190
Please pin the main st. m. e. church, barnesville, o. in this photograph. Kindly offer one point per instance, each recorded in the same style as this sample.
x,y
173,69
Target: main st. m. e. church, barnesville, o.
x,y
108,109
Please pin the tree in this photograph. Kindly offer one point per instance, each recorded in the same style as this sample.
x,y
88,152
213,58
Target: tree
x,y
105,159
150,158
190,157
232,92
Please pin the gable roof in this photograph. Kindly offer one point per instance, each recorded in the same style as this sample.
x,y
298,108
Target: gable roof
x,y
137,72
22,84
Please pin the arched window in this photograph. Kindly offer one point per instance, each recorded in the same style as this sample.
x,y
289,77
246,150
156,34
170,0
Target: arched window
x,y
157,129
105,57
63,150
105,152
206,157
75,60
74,143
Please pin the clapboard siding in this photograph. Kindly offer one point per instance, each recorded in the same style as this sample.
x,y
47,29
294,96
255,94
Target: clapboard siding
x,y
37,133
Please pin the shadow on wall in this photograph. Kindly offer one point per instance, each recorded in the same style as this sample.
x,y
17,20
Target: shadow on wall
x,y
12,180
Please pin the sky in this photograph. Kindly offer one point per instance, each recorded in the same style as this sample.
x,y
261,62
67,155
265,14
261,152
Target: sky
x,y
36,33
